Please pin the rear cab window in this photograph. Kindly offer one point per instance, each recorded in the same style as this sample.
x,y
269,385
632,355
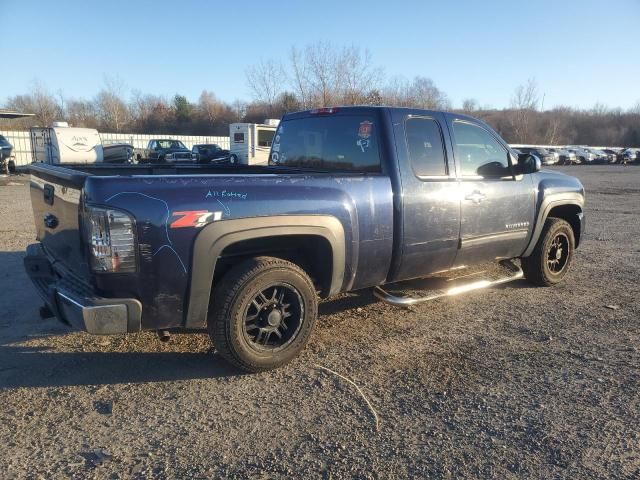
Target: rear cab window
x,y
346,142
425,147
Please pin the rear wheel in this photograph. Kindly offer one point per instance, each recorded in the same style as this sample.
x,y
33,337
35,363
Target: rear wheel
x,y
263,313
552,256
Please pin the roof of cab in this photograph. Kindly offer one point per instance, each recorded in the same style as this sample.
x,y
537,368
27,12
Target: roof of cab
x,y
363,108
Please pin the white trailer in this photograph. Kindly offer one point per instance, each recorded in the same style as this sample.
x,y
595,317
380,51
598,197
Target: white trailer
x,y
251,142
63,144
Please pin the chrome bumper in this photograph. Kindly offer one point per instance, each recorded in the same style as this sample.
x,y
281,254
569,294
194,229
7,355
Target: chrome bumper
x,y
76,304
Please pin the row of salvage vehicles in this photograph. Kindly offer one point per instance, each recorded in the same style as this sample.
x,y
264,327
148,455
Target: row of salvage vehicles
x,y
62,144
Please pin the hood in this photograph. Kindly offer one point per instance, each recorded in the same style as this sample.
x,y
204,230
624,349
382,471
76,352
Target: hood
x,y
551,182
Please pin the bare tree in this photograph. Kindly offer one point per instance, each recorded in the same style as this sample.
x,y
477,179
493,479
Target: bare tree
x,y
419,93
299,76
357,75
266,79
110,104
324,73
469,105
425,94
524,104
209,107
526,97
40,102
81,113
397,92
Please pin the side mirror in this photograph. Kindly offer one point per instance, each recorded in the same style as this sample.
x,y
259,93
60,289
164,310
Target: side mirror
x,y
528,163
493,170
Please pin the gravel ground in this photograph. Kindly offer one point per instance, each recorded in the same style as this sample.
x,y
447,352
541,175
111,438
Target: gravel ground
x,y
503,383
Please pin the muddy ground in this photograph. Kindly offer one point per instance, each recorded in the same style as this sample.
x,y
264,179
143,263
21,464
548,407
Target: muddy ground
x,y
504,383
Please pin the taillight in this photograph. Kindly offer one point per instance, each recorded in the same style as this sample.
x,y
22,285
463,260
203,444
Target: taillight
x,y
324,111
111,240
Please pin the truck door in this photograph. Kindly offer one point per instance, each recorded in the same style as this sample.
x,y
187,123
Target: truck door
x,y
497,207
430,204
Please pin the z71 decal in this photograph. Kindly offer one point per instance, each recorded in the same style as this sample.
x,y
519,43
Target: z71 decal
x,y
194,218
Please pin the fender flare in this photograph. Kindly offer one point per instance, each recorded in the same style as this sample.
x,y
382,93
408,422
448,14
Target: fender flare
x,y
548,203
217,236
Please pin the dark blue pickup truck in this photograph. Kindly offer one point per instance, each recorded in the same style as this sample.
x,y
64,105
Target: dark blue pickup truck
x,y
352,198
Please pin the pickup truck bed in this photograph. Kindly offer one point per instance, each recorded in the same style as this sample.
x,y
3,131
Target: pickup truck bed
x,y
354,197
153,196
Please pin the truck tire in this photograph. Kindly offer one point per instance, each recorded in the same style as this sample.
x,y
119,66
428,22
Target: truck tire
x,y
233,159
263,313
552,256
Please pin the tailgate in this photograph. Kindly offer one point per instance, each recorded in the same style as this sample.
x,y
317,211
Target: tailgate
x,y
55,199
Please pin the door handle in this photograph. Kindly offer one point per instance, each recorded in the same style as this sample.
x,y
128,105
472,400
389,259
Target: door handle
x,y
476,196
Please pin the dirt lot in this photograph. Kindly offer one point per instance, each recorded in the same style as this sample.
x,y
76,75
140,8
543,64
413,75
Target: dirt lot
x,y
502,383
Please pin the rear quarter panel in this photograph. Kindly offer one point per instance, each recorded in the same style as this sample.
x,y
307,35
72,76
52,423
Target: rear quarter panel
x,y
363,205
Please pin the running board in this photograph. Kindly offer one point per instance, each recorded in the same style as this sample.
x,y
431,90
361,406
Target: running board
x,y
480,277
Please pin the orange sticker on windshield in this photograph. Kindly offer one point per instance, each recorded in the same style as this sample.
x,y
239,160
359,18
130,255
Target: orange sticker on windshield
x,y
365,129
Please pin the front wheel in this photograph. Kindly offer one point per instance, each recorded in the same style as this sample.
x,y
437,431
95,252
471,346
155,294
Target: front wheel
x,y
552,256
263,313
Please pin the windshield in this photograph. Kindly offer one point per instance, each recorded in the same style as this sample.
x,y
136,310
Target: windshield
x,y
335,142
3,142
171,144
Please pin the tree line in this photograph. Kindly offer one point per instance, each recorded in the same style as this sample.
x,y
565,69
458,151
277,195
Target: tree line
x,y
320,75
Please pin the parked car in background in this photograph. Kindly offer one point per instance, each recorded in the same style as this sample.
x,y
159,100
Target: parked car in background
x,y
565,157
165,150
7,165
118,153
582,156
598,155
629,155
613,156
545,156
211,153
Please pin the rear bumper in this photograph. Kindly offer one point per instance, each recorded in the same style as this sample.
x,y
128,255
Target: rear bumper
x,y
75,303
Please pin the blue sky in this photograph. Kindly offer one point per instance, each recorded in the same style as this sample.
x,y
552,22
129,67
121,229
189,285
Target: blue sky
x,y
580,52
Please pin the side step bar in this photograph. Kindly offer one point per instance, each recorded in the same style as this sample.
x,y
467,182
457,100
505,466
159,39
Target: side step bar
x,y
502,272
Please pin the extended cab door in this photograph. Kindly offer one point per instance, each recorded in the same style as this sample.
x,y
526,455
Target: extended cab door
x,y
428,195
497,207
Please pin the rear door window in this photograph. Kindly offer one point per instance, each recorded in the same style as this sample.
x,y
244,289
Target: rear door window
x,y
333,142
425,146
